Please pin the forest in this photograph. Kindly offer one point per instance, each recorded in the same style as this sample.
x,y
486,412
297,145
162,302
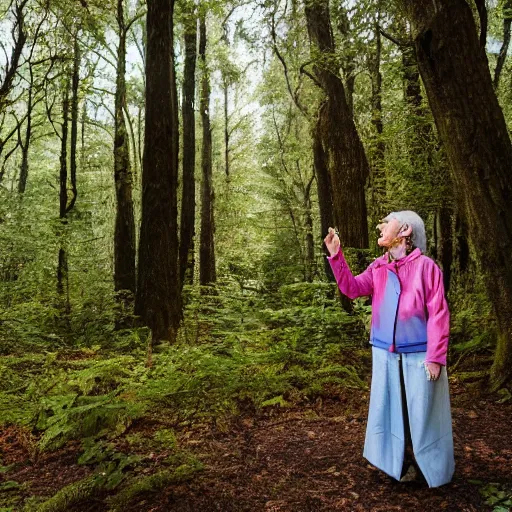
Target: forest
x,y
171,333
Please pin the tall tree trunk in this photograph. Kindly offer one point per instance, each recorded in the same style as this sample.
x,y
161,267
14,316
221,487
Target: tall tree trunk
x,y
411,78
461,232
444,242
22,183
82,134
347,53
308,224
75,82
324,190
424,144
207,274
62,265
378,171
344,152
507,21
124,236
158,298
188,199
471,125
135,158
139,136
63,159
226,128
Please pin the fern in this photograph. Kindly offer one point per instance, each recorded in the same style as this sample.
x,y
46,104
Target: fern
x,y
153,483
74,417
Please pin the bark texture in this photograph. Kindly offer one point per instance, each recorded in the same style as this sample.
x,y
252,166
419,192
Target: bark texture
x,y
454,69
188,198
62,264
75,82
207,273
343,151
158,299
124,235
22,183
377,159
434,168
324,190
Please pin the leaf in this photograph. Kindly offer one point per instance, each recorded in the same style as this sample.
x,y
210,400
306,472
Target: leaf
x,y
10,485
277,400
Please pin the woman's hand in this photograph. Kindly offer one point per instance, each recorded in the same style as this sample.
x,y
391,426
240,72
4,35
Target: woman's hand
x,y
332,242
434,369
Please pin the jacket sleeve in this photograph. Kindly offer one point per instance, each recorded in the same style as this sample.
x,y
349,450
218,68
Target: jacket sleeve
x,y
349,285
438,321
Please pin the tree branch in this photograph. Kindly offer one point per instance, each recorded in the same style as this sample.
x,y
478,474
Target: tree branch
x,y
396,40
309,75
294,97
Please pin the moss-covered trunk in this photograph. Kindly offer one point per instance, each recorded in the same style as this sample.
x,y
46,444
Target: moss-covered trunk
x,y
124,237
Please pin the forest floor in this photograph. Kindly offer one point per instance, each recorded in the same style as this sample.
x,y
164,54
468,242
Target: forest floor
x,y
295,459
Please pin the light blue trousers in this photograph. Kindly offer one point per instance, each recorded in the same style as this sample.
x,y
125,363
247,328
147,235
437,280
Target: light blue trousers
x,y
428,405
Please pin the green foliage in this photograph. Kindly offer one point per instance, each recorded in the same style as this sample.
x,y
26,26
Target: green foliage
x,y
82,400
153,483
75,417
497,496
162,439
110,465
262,336
10,495
66,498
473,326
256,359
165,437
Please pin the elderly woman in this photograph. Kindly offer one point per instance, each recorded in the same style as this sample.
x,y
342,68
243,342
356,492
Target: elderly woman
x,y
409,421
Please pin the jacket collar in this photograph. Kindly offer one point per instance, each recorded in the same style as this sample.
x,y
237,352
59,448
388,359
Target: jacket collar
x,y
383,260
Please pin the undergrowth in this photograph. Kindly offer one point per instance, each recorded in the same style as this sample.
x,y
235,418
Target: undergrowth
x,y
234,356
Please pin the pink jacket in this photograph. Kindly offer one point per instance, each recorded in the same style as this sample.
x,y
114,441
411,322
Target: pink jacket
x,y
409,309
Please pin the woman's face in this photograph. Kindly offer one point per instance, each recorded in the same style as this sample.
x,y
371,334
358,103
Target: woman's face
x,y
388,232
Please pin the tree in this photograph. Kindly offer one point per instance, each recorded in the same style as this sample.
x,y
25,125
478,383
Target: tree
x,y
33,98
320,168
158,298
454,69
188,198
377,159
12,64
207,271
62,265
343,151
9,73
124,237
426,155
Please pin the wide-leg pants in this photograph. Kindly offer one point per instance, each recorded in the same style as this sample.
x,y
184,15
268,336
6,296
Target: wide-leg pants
x,y
428,406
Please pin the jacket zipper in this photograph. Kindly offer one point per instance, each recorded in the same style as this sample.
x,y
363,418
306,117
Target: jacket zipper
x,y
397,306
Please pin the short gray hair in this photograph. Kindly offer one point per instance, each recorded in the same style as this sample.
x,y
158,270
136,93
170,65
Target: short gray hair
x,y
418,237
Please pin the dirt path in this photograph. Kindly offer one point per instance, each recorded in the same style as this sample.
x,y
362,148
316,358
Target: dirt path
x,y
310,459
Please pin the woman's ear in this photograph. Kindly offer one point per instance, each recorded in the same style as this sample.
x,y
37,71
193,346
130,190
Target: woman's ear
x,y
405,231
